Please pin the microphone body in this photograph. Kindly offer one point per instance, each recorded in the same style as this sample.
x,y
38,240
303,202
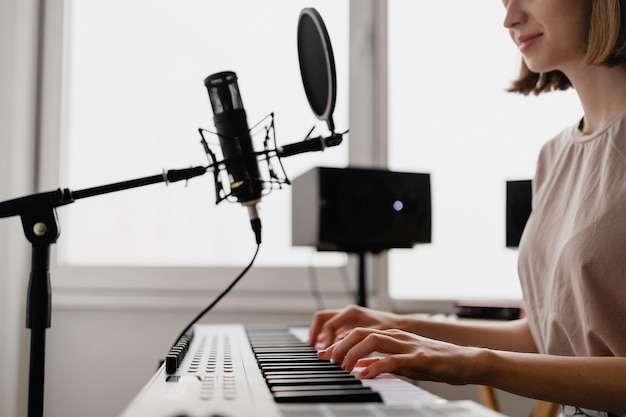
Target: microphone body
x,y
231,124
240,159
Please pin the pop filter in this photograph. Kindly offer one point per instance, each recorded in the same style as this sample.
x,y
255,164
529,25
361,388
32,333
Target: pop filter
x,y
317,65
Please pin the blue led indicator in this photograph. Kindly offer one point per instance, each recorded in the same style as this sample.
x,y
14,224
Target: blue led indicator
x,y
398,205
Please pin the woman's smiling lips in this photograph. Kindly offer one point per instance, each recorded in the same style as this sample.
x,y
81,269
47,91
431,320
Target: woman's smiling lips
x,y
526,41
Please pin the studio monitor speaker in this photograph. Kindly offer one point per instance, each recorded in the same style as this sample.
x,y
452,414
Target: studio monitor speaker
x,y
360,210
518,208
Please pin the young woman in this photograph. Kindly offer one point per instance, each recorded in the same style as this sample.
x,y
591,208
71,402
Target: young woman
x,y
571,346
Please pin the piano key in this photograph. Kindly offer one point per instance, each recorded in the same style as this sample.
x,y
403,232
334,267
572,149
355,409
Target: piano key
x,y
274,340
321,375
305,367
312,381
328,396
309,356
303,354
296,360
312,388
268,342
283,350
313,372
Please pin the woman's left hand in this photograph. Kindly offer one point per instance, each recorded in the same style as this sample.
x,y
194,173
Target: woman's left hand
x,y
404,354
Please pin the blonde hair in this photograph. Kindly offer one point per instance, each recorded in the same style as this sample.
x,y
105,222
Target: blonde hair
x,y
606,45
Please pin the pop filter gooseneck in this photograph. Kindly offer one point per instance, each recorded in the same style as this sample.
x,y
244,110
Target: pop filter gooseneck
x,y
317,65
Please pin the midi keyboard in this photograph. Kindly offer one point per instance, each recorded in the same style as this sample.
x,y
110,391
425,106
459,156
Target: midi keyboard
x,y
242,371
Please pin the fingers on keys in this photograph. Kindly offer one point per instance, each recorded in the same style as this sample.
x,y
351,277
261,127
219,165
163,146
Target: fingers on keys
x,y
354,349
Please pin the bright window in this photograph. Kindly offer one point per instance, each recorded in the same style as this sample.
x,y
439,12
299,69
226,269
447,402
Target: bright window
x,y
135,100
449,64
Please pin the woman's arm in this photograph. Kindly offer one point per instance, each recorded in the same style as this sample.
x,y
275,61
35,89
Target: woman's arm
x,y
588,382
511,335
597,383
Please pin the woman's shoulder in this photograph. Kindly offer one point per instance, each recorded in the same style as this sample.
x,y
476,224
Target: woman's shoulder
x,y
559,142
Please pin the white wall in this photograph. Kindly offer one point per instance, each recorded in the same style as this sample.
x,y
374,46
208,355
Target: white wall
x,y
18,49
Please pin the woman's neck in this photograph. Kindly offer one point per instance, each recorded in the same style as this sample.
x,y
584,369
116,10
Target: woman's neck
x,y
602,93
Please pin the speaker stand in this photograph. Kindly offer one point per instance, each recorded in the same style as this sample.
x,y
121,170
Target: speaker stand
x,y
361,298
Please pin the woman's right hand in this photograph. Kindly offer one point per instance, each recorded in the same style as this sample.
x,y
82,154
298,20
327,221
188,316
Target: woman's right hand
x,y
331,325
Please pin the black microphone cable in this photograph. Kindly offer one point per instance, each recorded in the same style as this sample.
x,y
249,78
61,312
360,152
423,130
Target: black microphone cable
x,y
186,330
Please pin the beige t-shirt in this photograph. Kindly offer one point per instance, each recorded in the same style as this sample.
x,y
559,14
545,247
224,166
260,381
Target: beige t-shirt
x,y
572,257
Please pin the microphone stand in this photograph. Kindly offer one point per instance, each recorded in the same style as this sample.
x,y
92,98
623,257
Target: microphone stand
x,y
41,227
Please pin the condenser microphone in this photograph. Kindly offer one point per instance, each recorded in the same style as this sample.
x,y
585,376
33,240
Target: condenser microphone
x,y
240,160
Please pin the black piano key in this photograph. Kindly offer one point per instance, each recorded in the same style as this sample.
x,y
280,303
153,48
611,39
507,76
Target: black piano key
x,y
320,375
295,360
364,394
311,388
302,382
261,351
304,372
301,368
291,341
302,354
283,357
